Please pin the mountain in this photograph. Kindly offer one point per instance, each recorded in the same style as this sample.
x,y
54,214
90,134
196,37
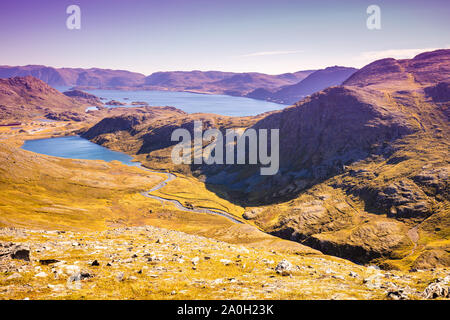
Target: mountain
x,y
94,77
27,97
363,166
316,81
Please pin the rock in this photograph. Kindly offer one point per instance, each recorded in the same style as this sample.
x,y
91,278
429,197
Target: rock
x,y
373,282
436,290
68,269
397,294
353,274
57,287
46,262
41,275
78,276
226,261
95,263
21,253
74,277
120,276
284,268
14,276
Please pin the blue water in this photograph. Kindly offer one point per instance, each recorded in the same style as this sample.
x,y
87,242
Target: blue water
x,y
75,147
190,102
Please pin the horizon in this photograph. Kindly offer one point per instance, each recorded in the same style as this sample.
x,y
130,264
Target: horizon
x,y
169,71
223,36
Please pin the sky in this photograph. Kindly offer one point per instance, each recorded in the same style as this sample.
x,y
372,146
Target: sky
x,y
269,36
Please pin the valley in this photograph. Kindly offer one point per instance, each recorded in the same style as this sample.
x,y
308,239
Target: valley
x,y
359,209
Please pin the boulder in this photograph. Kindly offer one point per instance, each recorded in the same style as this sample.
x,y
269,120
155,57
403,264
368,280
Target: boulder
x,y
284,268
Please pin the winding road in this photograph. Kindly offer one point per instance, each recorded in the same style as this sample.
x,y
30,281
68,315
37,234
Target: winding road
x,y
178,205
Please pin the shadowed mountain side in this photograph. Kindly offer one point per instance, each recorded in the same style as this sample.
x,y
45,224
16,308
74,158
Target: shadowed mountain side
x,y
318,137
316,81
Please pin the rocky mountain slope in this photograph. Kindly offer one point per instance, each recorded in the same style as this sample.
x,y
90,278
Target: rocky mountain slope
x,y
363,166
154,263
25,97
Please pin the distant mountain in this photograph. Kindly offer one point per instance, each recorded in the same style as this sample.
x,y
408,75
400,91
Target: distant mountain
x,y
314,82
238,84
213,82
94,77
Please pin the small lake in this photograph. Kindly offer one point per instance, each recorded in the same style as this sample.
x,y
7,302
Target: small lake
x,y
75,147
189,102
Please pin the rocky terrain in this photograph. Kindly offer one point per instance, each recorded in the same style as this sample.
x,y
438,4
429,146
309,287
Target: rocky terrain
x,y
154,263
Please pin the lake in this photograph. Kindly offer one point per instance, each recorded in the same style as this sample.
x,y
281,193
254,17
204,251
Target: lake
x,y
190,102
75,147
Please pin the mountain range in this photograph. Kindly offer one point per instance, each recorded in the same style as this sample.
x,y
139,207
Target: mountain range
x,y
284,88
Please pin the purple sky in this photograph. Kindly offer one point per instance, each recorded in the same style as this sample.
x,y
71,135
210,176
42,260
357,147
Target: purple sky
x,y
256,35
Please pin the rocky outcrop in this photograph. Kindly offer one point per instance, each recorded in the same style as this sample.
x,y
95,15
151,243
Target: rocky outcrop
x,y
115,103
65,116
434,258
14,251
84,97
113,124
404,199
